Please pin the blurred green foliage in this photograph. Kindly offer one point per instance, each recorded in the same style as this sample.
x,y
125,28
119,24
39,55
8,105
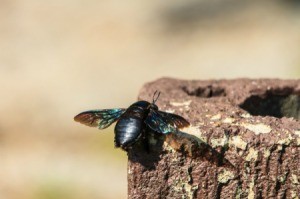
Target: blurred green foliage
x,y
55,189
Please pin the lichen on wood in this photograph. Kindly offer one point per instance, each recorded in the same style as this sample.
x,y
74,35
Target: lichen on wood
x,y
243,142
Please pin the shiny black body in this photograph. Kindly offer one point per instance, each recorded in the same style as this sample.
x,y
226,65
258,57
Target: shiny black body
x,y
133,122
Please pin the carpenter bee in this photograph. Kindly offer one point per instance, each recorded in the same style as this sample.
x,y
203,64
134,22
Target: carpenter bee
x,y
133,122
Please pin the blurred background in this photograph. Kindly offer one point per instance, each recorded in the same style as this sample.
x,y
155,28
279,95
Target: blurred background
x,y
61,57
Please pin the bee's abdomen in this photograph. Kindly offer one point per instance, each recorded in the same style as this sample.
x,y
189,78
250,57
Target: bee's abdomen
x,y
127,131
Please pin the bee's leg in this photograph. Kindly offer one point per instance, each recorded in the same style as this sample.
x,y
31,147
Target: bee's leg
x,y
145,140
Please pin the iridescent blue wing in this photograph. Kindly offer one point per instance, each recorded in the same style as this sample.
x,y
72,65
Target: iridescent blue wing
x,y
99,118
174,119
157,123
165,123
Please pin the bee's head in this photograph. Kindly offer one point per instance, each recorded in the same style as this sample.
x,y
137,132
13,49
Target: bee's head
x,y
155,98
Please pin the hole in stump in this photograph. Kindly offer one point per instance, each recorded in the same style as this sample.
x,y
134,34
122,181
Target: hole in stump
x,y
205,92
276,103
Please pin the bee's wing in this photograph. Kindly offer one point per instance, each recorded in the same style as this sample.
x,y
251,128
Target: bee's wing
x,y
174,119
99,118
165,123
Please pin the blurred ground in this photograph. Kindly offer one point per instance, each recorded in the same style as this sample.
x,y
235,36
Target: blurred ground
x,y
58,58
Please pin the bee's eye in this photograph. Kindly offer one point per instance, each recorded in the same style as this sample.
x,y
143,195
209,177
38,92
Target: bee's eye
x,y
154,107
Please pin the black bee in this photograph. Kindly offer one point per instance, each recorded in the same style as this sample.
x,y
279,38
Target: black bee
x,y
133,121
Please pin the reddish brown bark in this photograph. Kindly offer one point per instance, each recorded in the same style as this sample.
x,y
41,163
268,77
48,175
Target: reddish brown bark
x,y
244,141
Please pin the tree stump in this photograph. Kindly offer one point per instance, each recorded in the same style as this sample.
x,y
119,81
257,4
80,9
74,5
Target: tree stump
x,y
243,142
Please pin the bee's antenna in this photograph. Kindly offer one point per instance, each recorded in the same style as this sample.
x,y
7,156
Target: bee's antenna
x,y
156,98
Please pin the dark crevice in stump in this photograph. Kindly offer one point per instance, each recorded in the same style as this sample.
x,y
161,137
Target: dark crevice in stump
x,y
276,103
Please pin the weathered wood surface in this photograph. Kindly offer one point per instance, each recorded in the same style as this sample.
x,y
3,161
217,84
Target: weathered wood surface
x,y
244,141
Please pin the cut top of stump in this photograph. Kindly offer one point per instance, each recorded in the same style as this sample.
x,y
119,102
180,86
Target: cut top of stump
x,y
261,107
251,124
